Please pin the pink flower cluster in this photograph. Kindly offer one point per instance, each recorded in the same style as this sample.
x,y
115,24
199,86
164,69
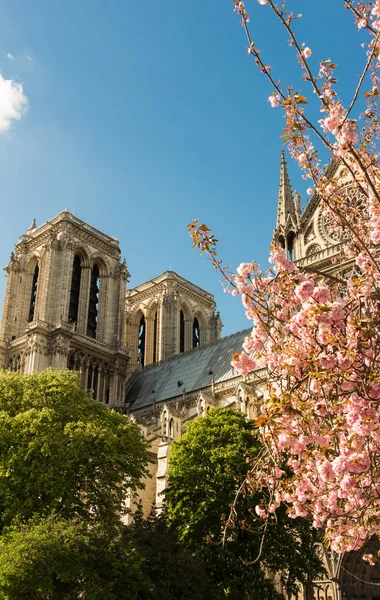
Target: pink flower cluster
x,y
325,419
319,340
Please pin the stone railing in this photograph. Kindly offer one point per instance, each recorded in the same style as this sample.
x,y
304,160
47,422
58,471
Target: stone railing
x,y
319,256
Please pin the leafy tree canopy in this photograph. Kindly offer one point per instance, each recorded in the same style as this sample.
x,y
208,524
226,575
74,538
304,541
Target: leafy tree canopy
x,y
63,453
66,463
207,467
172,571
57,559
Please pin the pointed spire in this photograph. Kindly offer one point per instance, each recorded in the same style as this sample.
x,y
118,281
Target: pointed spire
x,y
285,205
32,227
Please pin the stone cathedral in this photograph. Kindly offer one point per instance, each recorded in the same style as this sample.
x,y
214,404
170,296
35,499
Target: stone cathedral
x,y
154,351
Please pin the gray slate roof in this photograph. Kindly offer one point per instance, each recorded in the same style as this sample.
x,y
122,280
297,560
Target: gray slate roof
x,y
190,372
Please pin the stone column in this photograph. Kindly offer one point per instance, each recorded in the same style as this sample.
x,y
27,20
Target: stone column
x,y
149,339
7,305
82,372
102,308
63,284
45,284
120,323
84,295
169,340
188,334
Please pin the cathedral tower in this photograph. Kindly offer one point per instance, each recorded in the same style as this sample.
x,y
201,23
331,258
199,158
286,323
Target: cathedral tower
x,y
167,316
64,305
288,215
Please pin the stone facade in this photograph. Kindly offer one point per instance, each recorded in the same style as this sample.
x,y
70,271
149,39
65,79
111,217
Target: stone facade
x,y
66,306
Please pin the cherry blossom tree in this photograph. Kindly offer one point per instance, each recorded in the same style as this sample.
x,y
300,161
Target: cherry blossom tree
x,y
318,337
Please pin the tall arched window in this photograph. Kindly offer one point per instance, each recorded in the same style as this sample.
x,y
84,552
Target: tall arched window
x,y
141,341
33,295
155,325
196,334
290,243
93,305
75,289
181,332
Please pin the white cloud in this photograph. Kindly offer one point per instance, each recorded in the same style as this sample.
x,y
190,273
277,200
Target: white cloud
x,y
10,56
13,102
28,57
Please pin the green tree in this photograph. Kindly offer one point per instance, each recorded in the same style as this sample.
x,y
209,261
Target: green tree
x,y
66,464
171,570
57,559
207,467
62,452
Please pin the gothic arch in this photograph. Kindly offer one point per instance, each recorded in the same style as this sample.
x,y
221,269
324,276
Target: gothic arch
x,y
135,316
16,363
32,286
83,254
136,320
203,329
290,243
78,283
313,249
99,281
170,423
204,402
281,241
164,418
33,262
187,312
101,263
152,309
152,332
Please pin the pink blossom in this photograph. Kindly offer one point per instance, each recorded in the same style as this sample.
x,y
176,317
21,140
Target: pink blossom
x,y
274,100
325,471
304,290
317,339
315,386
306,52
244,364
344,361
376,9
375,391
299,510
347,483
321,294
244,269
260,511
332,121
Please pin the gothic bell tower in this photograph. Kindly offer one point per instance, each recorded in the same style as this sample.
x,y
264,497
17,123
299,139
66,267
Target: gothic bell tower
x,y
167,316
64,305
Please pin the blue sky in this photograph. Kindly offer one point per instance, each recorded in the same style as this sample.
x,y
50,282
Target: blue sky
x,y
144,116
